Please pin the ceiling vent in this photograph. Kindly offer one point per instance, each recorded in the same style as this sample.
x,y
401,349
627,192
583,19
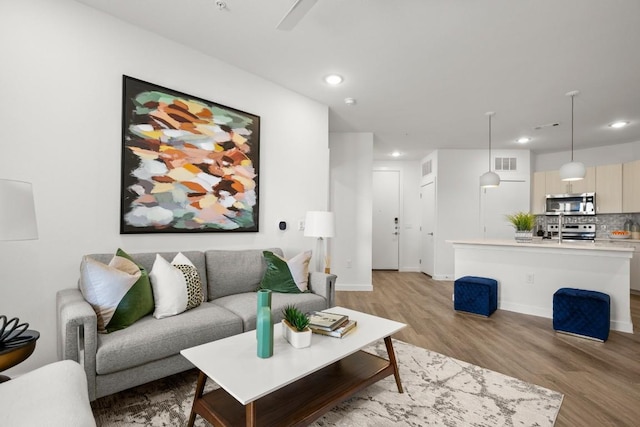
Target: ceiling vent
x,y
506,164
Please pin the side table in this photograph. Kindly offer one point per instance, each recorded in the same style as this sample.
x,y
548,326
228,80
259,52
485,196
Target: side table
x,y
16,351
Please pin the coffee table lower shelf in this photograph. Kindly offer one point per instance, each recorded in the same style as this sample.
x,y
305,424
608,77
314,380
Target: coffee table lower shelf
x,y
301,402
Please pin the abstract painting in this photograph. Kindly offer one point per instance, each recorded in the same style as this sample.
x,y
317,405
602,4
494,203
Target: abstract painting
x,y
188,165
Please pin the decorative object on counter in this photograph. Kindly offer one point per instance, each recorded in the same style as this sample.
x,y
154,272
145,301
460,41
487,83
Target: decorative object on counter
x,y
523,223
620,234
572,171
295,327
489,179
264,324
635,231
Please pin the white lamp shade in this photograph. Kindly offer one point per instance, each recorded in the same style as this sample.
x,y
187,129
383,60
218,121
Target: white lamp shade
x,y
17,211
573,171
319,224
489,179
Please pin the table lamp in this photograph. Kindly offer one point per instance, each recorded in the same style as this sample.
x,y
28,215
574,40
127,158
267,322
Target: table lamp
x,y
320,224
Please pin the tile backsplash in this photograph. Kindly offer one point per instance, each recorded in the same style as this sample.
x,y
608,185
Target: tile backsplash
x,y
604,222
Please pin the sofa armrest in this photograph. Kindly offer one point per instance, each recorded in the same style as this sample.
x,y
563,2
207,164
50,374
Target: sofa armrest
x,y
324,285
77,333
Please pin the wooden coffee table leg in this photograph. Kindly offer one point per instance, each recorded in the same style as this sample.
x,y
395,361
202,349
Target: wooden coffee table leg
x,y
251,414
202,379
392,361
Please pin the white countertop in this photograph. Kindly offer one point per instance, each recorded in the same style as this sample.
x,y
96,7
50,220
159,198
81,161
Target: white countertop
x,y
551,244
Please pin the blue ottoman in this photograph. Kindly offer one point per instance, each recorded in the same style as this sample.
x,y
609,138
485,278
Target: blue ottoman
x,y
477,295
582,312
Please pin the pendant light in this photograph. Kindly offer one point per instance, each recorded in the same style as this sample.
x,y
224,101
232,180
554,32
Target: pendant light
x,y
572,171
489,179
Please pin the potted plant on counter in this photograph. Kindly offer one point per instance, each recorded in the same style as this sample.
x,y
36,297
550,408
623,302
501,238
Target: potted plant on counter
x,y
295,327
523,223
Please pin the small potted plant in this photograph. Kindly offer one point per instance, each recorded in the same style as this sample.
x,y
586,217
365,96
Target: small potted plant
x,y
295,327
523,223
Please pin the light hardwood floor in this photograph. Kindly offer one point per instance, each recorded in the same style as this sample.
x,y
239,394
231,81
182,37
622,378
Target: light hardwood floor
x,y
600,381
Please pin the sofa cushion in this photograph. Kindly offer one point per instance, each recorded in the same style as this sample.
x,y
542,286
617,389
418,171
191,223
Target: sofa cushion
x,y
286,276
235,272
176,286
120,293
146,259
152,339
246,305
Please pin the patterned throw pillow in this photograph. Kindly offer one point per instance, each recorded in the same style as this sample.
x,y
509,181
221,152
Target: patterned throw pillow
x,y
284,276
120,293
176,286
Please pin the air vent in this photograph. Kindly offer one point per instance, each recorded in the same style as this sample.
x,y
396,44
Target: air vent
x,y
506,164
426,168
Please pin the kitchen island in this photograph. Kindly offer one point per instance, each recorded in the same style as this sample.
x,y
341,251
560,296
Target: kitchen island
x,y
528,274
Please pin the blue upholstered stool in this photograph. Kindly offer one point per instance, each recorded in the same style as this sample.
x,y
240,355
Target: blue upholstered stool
x,y
477,295
582,312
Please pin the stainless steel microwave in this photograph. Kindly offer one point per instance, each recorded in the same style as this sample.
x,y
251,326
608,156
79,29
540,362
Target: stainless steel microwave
x,y
571,204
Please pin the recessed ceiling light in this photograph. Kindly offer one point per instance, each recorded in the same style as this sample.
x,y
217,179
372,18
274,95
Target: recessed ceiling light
x,y
618,124
396,154
333,79
523,140
350,101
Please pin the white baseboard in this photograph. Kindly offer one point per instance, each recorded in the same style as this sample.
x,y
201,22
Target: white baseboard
x,y
409,270
442,277
354,287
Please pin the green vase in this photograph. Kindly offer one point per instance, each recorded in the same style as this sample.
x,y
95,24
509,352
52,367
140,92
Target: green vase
x,y
264,324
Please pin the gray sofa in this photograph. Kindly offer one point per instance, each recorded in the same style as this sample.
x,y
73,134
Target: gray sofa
x,y
150,348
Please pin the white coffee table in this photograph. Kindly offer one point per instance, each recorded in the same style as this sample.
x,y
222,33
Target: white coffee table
x,y
294,386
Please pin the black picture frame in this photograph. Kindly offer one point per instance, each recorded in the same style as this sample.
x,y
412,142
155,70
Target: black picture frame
x,y
189,165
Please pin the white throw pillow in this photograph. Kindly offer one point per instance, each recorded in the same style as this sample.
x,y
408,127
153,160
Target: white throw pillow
x,y
176,286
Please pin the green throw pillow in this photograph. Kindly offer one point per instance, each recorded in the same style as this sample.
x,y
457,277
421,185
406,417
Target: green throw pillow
x,y
284,276
120,293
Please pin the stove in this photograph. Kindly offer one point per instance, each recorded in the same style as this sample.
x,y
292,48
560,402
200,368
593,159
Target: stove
x,y
582,231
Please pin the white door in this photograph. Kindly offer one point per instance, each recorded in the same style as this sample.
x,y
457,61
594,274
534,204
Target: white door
x,y
495,203
428,200
386,221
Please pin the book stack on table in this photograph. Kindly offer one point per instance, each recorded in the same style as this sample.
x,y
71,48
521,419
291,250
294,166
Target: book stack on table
x,y
331,324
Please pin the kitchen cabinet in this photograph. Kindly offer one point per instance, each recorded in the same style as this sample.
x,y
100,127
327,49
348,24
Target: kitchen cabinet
x,y
609,189
631,187
538,192
635,268
554,185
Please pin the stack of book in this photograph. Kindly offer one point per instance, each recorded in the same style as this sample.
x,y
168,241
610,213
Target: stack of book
x,y
331,324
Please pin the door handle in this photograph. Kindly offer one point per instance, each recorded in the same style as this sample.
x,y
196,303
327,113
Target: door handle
x,y
429,234
395,234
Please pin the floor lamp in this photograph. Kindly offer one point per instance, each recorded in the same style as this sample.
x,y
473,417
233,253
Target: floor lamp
x,y
17,222
320,224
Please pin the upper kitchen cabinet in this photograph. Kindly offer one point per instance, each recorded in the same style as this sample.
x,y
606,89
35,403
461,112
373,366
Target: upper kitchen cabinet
x,y
630,187
609,189
554,185
538,192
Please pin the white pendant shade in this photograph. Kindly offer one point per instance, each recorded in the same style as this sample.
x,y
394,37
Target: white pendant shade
x,y
489,179
572,171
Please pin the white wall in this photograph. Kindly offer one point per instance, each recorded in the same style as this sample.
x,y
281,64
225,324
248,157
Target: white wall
x,y
458,198
610,154
409,210
351,201
60,80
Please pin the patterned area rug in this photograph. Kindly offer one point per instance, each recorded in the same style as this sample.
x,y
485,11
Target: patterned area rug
x,y
439,391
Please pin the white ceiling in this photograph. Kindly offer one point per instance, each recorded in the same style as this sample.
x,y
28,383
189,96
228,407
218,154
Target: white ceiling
x,y
424,72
